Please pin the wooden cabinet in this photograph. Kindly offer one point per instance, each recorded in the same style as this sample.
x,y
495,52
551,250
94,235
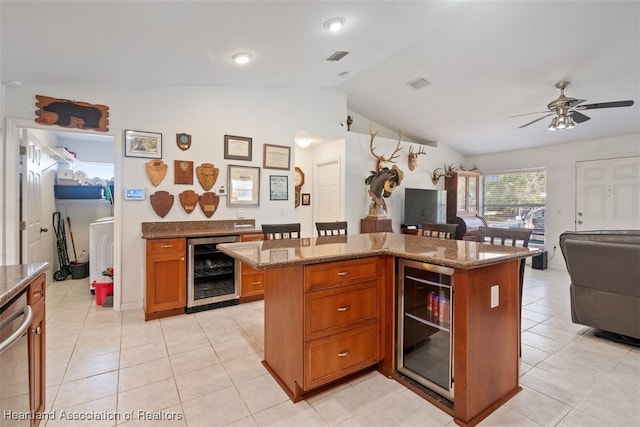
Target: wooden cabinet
x,y
334,333
462,194
166,280
36,344
251,280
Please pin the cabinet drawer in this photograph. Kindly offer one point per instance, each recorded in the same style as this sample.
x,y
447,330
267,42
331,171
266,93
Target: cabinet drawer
x,y
252,282
335,356
165,246
331,310
251,237
36,290
332,274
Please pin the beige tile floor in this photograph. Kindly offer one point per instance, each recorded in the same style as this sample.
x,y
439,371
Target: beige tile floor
x,y
204,370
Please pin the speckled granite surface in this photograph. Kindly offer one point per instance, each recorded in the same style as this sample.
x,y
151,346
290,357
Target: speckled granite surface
x,y
14,278
451,253
171,229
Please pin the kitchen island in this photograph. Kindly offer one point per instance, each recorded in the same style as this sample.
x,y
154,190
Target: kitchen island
x,y
331,313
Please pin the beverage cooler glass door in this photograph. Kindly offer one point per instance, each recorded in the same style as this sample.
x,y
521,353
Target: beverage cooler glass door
x,y
211,275
425,314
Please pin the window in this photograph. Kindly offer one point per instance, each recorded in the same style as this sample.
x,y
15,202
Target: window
x,y
516,200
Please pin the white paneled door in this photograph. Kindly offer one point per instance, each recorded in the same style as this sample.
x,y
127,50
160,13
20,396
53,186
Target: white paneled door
x,y
30,199
328,190
607,194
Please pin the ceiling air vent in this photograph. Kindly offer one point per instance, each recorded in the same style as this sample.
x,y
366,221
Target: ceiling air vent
x,y
419,83
337,55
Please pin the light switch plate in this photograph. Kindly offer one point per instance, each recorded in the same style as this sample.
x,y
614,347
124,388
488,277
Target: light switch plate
x,y
495,296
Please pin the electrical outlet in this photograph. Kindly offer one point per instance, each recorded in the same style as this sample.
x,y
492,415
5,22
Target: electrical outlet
x,y
495,296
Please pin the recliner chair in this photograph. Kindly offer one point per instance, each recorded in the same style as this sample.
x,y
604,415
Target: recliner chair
x,y
604,267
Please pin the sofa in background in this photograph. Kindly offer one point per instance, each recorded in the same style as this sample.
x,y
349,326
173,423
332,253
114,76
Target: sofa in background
x,y
604,267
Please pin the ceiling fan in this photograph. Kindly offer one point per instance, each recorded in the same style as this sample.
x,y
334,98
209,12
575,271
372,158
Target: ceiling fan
x,y
567,110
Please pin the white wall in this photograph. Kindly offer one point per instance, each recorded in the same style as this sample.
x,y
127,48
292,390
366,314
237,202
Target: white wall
x,y
559,161
359,163
268,115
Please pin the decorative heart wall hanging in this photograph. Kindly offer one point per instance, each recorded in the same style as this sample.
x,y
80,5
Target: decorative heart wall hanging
x,y
207,175
156,171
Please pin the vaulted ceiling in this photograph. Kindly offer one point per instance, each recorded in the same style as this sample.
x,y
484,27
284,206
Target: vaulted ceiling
x,y
484,60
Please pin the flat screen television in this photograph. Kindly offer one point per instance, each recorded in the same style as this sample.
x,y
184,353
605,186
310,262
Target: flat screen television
x,y
422,205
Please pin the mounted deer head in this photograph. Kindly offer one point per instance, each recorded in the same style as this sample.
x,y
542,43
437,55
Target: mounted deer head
x,y
413,157
380,158
436,175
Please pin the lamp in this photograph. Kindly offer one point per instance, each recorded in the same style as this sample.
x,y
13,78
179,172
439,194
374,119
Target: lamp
x,y
241,57
562,121
334,24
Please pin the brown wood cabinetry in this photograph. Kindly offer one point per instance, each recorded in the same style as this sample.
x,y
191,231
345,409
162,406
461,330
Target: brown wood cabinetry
x,y
462,194
334,333
251,279
166,281
37,342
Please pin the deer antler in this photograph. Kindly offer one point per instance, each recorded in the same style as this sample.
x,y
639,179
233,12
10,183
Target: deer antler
x,y
450,170
416,154
436,175
413,157
380,158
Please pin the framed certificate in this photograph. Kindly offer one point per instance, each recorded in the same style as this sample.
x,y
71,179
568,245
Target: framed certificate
x,y
276,157
244,185
237,147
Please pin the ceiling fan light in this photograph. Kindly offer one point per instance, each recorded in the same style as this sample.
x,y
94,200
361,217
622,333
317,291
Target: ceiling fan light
x,y
570,124
554,124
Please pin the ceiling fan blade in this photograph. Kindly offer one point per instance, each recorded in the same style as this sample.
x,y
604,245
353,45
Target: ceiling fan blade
x,y
574,102
528,114
536,120
628,103
578,117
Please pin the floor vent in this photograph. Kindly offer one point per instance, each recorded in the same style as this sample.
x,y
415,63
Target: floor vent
x,y
337,55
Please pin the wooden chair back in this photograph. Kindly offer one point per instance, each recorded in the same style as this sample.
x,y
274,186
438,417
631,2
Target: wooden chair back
x,y
281,231
443,231
336,228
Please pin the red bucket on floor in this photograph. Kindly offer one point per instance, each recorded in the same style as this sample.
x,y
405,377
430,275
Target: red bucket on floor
x,y
103,290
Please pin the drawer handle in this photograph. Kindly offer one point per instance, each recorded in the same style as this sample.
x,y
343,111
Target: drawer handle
x,y
344,308
182,259
344,353
256,282
344,273
37,330
37,294
166,246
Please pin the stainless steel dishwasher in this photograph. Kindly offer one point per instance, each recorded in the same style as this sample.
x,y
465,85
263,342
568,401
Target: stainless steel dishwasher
x,y
15,318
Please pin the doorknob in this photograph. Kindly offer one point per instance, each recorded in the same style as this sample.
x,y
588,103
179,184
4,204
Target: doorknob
x,y
579,222
44,230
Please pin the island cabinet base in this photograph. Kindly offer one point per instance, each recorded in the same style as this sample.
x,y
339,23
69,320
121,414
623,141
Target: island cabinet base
x,y
485,343
322,323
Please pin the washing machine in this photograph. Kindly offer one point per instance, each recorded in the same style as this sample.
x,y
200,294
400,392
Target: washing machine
x,y
100,248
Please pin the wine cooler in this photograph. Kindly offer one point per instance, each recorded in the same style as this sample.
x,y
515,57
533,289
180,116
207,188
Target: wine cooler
x,y
425,315
211,275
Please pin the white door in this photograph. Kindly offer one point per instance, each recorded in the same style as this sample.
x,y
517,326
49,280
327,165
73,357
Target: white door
x,y
328,190
30,208
607,194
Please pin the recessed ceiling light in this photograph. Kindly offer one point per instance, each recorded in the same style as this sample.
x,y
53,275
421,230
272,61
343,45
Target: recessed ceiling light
x,y
334,24
303,142
241,57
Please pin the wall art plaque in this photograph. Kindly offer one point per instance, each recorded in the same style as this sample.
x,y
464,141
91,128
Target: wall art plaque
x,y
156,171
72,114
207,175
209,202
188,200
161,202
183,172
184,141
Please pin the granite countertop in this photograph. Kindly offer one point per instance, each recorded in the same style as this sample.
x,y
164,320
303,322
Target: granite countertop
x,y
14,278
174,229
451,253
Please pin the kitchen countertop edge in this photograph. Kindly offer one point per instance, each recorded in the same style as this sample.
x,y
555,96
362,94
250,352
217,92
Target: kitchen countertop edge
x,y
15,278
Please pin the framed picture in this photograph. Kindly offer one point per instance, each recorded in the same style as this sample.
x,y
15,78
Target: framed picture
x,y
237,147
279,187
276,157
142,144
243,183
306,199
